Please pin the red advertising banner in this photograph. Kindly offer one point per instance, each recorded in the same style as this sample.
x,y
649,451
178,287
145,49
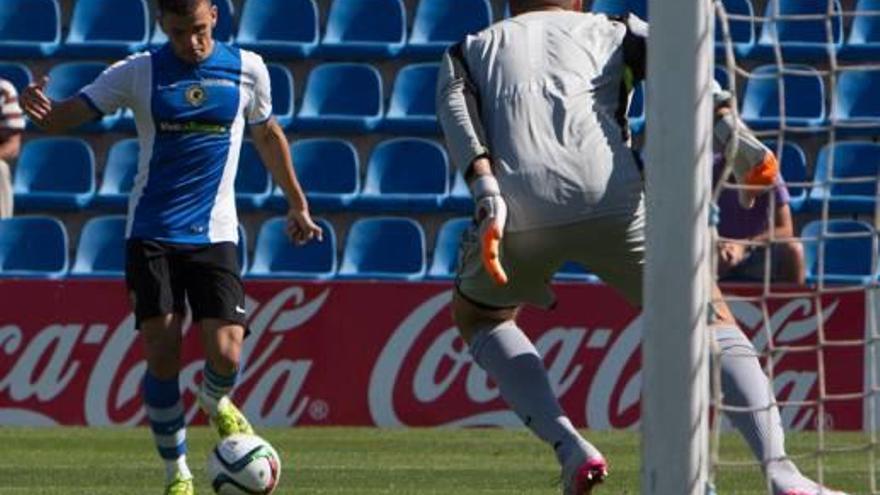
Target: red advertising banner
x,y
388,354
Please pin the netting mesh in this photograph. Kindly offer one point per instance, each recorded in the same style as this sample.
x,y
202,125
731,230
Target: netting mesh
x,y
805,76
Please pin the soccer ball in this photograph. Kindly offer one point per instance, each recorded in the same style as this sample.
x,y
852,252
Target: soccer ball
x,y
244,464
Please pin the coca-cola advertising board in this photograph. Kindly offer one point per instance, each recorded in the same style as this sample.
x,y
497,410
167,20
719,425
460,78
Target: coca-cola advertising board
x,y
388,354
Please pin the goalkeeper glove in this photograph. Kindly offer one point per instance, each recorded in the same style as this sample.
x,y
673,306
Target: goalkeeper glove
x,y
753,163
491,215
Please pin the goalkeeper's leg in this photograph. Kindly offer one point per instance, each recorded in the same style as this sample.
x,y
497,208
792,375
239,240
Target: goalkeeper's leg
x,y
500,347
745,386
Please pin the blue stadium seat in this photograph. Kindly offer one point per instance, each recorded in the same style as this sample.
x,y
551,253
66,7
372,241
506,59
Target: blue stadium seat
x,y
68,78
863,43
342,97
279,28
33,247
384,248
412,108
253,185
329,172
574,272
100,251
742,31
804,98
55,173
857,110
857,162
275,256
459,199
119,172
29,28
619,7
223,31
405,174
107,28
282,93
444,263
365,28
793,167
637,109
801,40
441,23
849,255
18,74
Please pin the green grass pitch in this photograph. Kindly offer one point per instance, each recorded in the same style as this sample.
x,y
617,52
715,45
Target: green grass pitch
x,y
70,461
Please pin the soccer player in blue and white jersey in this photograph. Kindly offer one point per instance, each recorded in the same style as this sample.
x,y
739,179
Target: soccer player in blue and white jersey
x,y
192,99
534,109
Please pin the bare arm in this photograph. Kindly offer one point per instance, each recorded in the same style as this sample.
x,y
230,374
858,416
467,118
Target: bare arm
x,y
272,146
10,146
52,116
783,226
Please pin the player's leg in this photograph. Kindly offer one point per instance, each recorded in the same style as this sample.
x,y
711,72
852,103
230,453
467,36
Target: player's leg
x,y
162,342
216,295
158,303
222,341
745,387
486,317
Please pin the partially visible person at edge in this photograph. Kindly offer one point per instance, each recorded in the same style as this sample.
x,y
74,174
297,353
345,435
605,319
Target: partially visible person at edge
x,y
11,129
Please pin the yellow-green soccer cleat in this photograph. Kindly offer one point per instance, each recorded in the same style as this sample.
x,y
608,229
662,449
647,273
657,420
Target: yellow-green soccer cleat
x,y
180,486
230,420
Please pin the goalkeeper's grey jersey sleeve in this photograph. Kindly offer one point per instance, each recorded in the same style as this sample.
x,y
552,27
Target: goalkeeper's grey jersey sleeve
x,y
545,94
458,110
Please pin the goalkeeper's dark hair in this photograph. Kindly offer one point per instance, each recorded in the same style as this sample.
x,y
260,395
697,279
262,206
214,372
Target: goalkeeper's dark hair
x,y
180,7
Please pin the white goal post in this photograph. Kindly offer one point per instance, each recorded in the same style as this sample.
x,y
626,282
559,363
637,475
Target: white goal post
x,y
675,350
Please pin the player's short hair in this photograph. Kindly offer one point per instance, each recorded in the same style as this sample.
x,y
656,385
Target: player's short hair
x,y
180,7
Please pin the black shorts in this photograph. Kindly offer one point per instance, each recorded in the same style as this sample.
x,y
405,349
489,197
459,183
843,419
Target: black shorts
x,y
161,278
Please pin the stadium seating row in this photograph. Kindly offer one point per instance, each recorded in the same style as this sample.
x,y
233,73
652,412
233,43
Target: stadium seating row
x,y
798,27
378,28
274,28
349,97
359,107
377,248
58,173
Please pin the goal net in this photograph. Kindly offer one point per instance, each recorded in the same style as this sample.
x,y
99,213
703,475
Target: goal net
x,y
799,270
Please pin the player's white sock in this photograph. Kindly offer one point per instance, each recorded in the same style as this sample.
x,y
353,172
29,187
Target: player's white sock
x,y
174,466
214,386
744,384
509,357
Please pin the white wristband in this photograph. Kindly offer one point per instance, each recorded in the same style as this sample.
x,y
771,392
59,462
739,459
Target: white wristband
x,y
485,185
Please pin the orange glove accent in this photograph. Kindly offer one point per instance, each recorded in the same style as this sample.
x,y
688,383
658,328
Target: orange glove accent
x,y
491,256
764,173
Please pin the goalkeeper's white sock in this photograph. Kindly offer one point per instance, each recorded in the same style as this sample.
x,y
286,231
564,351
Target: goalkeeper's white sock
x,y
509,357
744,385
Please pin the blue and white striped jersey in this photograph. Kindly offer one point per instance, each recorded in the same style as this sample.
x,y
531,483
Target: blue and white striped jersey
x,y
190,120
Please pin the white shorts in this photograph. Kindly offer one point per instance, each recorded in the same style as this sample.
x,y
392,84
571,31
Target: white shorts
x,y
612,247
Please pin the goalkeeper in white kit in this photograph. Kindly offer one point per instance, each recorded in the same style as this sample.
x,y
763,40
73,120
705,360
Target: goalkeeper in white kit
x,y
533,109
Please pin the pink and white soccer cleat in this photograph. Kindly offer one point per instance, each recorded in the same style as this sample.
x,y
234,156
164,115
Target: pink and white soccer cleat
x,y
584,476
822,491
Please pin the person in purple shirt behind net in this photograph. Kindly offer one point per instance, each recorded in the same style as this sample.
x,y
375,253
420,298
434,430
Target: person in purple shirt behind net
x,y
741,261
